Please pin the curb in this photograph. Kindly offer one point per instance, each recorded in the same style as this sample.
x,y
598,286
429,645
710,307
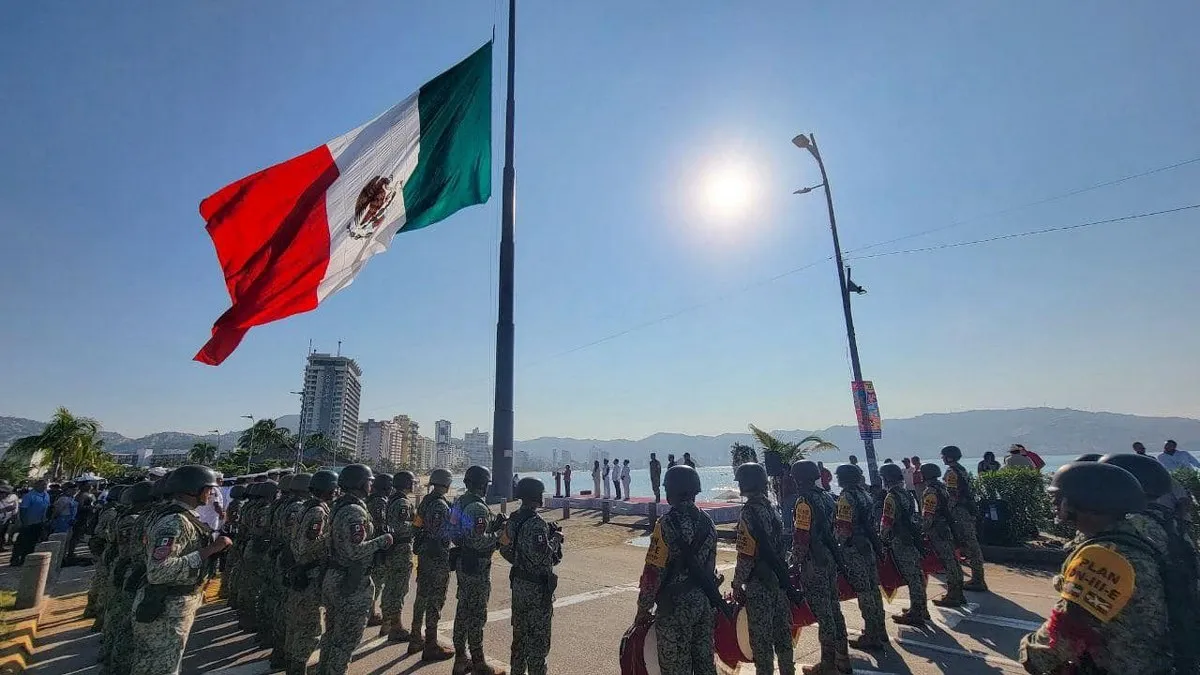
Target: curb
x,y
1025,555
17,639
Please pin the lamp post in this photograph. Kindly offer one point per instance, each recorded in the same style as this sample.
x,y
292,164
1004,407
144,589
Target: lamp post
x,y
809,143
250,450
299,435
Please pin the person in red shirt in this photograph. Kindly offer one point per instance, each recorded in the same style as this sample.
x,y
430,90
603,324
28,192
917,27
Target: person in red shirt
x,y
1037,460
826,476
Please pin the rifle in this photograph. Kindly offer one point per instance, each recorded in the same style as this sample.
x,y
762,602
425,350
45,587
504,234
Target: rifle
x,y
771,557
707,582
871,532
913,530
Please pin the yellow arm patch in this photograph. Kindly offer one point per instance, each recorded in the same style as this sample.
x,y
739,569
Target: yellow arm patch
x,y
656,555
952,480
845,511
929,504
889,507
418,521
1100,580
746,544
803,516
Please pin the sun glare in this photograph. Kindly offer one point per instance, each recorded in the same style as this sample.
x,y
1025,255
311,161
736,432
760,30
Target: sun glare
x,y
728,192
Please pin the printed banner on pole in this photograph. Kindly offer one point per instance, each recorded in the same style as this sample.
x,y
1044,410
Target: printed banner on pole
x,y
866,406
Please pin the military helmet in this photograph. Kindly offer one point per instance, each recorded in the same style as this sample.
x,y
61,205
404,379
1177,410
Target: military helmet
x,y
931,471
951,453
273,474
140,492
440,477
850,474
300,483
355,477
114,493
404,480
191,480
1099,488
477,477
323,481
681,481
124,497
1154,477
383,483
530,490
269,489
285,483
159,488
237,492
891,473
751,478
1088,457
805,471
254,491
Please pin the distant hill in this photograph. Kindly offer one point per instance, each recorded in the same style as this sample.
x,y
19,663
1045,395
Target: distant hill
x,y
1049,431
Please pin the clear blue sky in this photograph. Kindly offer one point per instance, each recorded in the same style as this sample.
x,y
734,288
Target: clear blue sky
x,y
119,118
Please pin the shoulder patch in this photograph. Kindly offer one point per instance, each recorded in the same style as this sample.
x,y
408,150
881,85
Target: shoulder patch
x,y
162,548
746,544
1100,580
803,519
889,506
845,510
656,555
358,532
314,529
951,479
929,504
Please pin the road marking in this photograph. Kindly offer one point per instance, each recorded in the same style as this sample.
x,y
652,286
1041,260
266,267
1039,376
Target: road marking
x,y
968,614
748,669
954,651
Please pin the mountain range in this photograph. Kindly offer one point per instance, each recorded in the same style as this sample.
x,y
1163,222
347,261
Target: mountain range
x,y
1049,431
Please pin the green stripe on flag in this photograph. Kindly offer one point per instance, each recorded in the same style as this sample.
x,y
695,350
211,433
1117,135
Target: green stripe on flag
x,y
454,165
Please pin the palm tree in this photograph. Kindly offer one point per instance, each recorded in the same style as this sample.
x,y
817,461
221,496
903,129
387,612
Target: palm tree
x,y
264,437
740,453
69,444
787,452
202,452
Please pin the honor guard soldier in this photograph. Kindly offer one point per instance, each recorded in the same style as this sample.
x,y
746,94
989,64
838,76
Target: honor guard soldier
x,y
347,590
476,532
178,545
938,524
856,529
397,563
534,547
377,504
309,541
679,578
964,510
431,541
815,550
1111,615
102,537
900,531
760,581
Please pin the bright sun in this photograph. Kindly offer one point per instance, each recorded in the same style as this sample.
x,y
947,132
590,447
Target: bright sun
x,y
728,191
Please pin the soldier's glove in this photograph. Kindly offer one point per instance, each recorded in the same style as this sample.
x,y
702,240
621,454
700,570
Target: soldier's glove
x,y
499,523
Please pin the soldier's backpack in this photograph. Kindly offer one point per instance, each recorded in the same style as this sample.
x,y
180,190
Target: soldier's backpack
x,y
1183,605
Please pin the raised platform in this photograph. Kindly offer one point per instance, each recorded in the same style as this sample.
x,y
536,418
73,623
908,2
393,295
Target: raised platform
x,y
720,512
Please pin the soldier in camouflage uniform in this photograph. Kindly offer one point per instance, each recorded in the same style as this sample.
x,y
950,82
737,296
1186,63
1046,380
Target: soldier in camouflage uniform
x,y
102,538
118,552
431,532
1111,615
397,564
250,578
855,527
377,505
475,531
309,541
815,550
177,549
270,598
534,547
286,516
229,578
347,590
901,533
760,547
938,525
964,510
684,618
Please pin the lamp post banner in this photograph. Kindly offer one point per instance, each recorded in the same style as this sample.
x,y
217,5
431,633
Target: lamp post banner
x,y
866,407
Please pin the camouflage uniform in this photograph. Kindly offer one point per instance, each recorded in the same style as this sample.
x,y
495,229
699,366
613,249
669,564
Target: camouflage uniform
x,y
347,591
964,510
473,531
310,542
535,549
250,574
854,523
812,539
397,568
103,537
377,506
173,561
938,524
125,547
898,529
685,619
234,557
271,584
283,525
433,564
767,606
1111,614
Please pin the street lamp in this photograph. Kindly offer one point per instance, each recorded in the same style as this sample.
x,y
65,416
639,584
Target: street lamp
x,y
299,435
809,143
250,450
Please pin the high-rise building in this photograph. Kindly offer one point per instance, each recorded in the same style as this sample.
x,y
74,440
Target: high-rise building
x,y
427,453
565,457
441,436
376,441
554,457
475,445
330,403
406,449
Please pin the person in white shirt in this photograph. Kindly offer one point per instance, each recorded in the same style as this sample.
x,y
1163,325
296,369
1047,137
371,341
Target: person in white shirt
x,y
1174,458
625,479
908,472
213,512
596,478
607,483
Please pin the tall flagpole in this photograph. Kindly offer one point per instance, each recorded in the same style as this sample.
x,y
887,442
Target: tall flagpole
x,y
502,420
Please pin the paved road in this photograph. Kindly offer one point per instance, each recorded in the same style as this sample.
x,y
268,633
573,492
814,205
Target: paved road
x,y
596,604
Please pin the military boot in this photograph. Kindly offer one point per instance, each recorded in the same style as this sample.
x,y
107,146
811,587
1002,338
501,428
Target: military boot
x,y
279,660
976,584
479,666
948,600
910,618
841,660
416,643
385,627
397,633
462,665
825,666
296,668
376,618
869,644
434,650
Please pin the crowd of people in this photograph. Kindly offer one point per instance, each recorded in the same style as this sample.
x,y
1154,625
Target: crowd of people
x,y
37,509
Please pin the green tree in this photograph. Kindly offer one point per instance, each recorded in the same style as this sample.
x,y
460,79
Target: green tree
x,y
790,451
740,453
68,445
202,452
264,438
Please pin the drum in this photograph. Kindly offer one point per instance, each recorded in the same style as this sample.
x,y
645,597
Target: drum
x,y
639,650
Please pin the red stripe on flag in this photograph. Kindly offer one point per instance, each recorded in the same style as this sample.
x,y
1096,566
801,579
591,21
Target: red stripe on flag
x,y
272,239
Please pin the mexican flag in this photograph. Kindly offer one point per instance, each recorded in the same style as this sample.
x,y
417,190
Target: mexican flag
x,y
293,234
